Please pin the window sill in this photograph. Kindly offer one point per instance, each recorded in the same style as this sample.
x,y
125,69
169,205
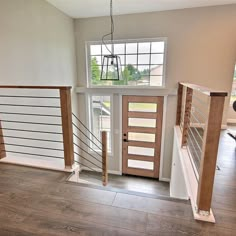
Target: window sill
x,y
124,90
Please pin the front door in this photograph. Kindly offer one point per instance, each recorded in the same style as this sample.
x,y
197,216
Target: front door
x,y
142,127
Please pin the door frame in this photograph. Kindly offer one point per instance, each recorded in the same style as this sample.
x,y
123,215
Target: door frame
x,y
160,117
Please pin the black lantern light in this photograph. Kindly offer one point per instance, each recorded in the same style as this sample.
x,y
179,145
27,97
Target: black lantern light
x,y
111,64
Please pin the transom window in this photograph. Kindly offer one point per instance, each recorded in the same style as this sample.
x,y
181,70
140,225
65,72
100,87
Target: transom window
x,y
142,62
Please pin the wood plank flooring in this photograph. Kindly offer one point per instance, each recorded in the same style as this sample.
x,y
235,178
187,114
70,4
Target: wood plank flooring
x,y
130,183
41,202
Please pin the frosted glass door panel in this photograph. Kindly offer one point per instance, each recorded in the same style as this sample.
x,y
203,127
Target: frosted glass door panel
x,y
147,165
141,137
141,151
142,107
140,122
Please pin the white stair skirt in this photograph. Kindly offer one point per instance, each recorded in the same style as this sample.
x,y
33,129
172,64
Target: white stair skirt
x,y
38,162
184,183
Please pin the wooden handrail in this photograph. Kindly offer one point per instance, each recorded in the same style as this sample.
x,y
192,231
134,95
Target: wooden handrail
x,y
204,90
104,159
34,87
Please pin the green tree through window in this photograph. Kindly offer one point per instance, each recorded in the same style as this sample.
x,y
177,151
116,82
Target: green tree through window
x,y
96,73
142,63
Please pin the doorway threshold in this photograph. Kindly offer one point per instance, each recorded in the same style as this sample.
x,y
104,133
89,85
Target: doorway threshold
x,y
123,183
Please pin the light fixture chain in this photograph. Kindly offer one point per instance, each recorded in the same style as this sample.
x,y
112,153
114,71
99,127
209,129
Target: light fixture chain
x,y
112,31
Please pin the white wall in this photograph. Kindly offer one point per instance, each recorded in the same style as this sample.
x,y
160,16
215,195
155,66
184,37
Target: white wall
x,y
37,47
36,44
201,49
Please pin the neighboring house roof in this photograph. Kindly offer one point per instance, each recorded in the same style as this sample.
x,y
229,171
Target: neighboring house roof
x,y
157,70
99,105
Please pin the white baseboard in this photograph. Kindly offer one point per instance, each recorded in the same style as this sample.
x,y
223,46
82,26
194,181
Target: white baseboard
x,y
114,172
38,162
224,127
164,179
231,121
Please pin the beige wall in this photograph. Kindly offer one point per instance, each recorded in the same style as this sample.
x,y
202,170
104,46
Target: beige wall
x,y
201,49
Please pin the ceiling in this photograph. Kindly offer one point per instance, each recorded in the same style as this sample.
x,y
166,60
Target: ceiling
x,y
94,8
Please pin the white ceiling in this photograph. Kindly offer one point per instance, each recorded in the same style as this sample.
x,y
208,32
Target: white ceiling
x,y
93,8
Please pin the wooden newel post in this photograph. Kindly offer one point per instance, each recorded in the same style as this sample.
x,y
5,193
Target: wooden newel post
x,y
67,129
104,159
2,145
209,153
179,104
187,114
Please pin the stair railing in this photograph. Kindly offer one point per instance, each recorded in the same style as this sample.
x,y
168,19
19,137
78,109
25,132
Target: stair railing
x,y
43,125
20,107
199,116
93,160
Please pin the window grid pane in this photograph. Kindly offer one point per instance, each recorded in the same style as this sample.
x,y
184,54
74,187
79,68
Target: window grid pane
x,y
141,63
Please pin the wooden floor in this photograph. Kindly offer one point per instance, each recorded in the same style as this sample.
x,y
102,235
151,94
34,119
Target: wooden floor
x,y
129,183
40,202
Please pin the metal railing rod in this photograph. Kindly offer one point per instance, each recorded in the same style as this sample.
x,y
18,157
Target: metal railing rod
x,y
87,145
191,134
86,136
193,164
196,119
33,154
29,146
192,145
86,166
87,152
29,122
33,131
201,138
35,139
200,112
27,114
21,105
199,100
14,96
86,127
181,126
87,160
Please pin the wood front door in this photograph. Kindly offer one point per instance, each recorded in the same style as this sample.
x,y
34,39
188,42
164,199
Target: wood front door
x,y
141,137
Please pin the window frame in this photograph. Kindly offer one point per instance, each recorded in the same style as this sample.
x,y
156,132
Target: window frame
x,y
234,80
90,121
142,40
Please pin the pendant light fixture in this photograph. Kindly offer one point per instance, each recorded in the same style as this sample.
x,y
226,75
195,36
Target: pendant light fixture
x,y
111,63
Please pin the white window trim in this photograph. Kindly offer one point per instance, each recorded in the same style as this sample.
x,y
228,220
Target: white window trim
x,y
88,62
90,117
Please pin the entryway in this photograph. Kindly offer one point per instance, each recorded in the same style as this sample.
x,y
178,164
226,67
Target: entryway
x,y
141,135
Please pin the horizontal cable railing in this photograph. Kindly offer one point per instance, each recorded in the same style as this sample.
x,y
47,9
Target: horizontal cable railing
x,y
37,121
199,116
32,122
